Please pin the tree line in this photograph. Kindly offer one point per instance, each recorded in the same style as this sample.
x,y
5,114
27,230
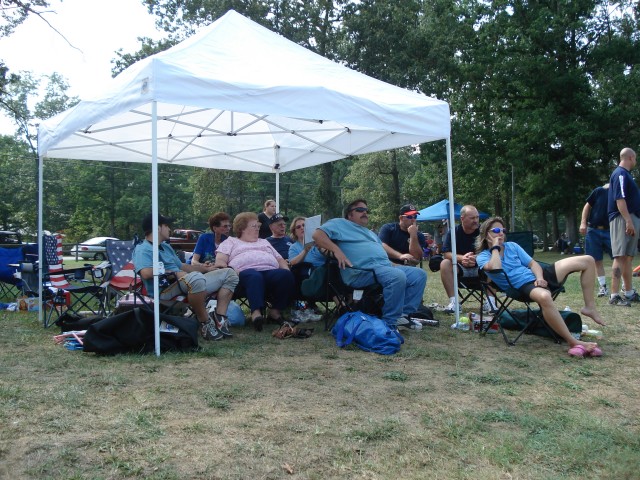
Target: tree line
x,y
544,91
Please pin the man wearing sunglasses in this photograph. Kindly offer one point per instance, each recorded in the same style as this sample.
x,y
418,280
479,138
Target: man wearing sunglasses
x,y
354,245
402,241
466,234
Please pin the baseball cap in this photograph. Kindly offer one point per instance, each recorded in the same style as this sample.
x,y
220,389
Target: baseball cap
x,y
147,222
408,209
276,218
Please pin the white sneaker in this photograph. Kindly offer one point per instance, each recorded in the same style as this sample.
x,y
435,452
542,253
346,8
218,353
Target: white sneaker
x,y
487,308
451,308
404,322
603,291
310,316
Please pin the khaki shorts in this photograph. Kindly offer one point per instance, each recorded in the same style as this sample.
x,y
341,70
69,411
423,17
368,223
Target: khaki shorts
x,y
622,244
196,282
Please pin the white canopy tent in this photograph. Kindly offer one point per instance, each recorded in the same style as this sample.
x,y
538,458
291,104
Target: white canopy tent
x,y
237,96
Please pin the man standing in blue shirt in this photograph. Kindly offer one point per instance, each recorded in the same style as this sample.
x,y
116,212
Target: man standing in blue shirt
x,y
354,245
402,241
595,226
624,223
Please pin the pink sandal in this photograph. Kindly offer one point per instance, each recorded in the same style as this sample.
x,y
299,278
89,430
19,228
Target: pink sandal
x,y
580,351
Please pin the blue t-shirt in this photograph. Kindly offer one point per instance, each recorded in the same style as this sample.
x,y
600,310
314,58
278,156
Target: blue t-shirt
x,y
515,263
398,239
362,247
598,199
281,245
206,247
313,256
143,258
622,186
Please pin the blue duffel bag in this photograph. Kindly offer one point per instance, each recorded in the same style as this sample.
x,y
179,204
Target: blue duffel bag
x,y
369,333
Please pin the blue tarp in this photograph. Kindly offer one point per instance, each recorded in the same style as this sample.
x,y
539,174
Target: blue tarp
x,y
440,210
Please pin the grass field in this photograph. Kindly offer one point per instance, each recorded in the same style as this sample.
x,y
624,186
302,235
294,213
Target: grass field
x,y
450,405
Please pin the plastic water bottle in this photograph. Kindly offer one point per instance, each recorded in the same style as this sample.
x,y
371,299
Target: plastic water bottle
x,y
461,324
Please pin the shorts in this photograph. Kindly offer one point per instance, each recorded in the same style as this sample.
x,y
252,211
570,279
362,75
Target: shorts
x,y
622,244
597,242
467,272
196,282
549,274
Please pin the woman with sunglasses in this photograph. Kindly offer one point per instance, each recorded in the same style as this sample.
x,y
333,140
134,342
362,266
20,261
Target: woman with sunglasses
x,y
300,253
532,280
205,251
264,274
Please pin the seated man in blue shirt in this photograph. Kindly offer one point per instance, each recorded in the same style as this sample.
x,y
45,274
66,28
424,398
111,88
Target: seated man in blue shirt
x,y
354,245
278,239
402,241
195,281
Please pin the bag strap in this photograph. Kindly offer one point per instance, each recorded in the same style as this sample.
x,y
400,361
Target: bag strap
x,y
340,334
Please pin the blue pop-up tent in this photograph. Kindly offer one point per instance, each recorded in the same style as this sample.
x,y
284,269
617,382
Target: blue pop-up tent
x,y
440,210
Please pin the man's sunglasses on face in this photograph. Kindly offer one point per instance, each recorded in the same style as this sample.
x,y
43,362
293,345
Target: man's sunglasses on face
x,y
410,217
360,209
499,230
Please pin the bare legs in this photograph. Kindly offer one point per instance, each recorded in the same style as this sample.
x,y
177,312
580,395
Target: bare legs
x,y
586,266
621,269
552,316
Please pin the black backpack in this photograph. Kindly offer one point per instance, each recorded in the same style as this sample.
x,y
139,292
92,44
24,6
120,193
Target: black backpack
x,y
133,332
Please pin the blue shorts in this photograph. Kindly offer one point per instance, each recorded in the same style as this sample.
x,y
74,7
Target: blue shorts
x,y
597,242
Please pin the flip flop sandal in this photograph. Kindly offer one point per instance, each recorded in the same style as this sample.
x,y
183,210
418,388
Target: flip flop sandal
x,y
285,331
596,352
302,332
577,351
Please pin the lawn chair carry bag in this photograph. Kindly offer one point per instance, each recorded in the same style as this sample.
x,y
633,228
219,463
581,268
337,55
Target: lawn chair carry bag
x,y
369,333
133,332
517,319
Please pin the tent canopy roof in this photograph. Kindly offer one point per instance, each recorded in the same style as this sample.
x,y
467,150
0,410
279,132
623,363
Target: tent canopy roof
x,y
237,96
440,210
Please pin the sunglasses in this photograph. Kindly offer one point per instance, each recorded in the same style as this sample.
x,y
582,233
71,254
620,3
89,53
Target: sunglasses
x,y
298,227
410,217
360,209
499,230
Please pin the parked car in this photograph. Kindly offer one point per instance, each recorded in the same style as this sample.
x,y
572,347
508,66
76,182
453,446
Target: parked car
x,y
92,249
184,239
8,239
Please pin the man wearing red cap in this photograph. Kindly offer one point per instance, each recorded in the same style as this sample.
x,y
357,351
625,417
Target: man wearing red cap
x,y
402,241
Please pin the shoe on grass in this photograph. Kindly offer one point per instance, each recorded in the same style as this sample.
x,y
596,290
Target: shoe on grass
x,y
633,298
410,323
209,331
618,301
451,308
222,324
603,291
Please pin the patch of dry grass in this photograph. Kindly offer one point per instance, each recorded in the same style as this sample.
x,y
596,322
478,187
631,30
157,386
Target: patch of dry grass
x,y
450,405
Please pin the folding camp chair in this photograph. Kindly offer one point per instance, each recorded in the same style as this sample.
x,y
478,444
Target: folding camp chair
x,y
534,318
60,294
11,285
120,277
325,285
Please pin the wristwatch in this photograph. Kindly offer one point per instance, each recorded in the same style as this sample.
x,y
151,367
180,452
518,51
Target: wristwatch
x,y
495,247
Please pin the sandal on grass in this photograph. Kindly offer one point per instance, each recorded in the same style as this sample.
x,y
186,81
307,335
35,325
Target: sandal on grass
x,y
581,351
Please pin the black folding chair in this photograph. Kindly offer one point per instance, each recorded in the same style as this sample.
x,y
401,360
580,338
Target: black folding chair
x,y
67,289
534,318
325,286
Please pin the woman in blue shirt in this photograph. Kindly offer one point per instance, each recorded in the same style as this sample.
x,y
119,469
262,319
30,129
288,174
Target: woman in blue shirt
x,y
530,279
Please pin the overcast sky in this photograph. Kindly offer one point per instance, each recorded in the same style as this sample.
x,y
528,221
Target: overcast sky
x,y
97,28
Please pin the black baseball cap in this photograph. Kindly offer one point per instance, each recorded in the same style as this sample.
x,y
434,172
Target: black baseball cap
x,y
408,210
276,218
147,222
